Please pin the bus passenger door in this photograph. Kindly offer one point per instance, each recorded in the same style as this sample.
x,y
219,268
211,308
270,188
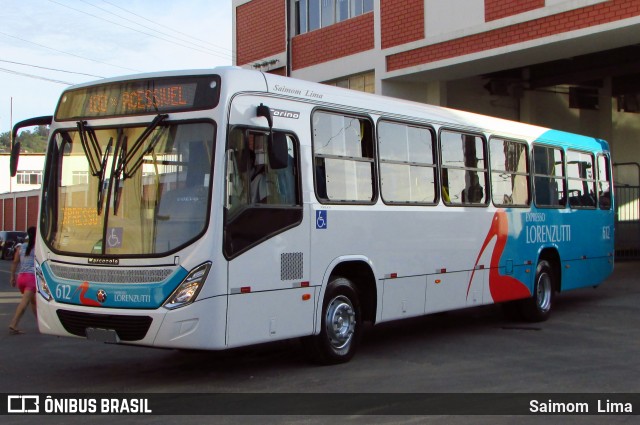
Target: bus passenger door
x,y
265,239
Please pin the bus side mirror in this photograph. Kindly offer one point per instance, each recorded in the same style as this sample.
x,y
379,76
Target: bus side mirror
x,y
15,146
13,162
265,111
278,151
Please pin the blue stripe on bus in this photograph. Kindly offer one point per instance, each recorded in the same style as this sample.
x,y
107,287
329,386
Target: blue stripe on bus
x,y
576,141
113,295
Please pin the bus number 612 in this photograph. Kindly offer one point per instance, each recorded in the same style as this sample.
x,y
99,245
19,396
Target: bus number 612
x,y
63,291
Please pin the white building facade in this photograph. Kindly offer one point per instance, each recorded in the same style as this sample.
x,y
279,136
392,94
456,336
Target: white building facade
x,y
572,65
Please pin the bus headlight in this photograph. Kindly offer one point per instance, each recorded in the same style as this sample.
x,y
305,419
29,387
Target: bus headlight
x,y
188,290
41,284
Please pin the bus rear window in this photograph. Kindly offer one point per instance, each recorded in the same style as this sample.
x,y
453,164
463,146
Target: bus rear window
x,y
139,97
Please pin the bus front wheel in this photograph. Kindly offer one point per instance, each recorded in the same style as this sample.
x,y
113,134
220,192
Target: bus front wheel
x,y
341,325
538,307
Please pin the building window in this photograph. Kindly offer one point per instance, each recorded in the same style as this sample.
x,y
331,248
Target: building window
x,y
79,177
314,14
361,82
29,177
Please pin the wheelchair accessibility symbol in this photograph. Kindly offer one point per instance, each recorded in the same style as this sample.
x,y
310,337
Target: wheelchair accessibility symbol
x,y
114,237
321,219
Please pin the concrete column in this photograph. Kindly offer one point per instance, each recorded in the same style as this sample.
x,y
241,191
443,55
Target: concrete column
x,y
437,93
605,111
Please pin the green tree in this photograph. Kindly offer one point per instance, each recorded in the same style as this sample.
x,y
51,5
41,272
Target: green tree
x,y
5,142
31,140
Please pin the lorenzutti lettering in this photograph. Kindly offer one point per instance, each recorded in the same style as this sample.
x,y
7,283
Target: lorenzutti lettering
x,y
132,298
104,261
548,234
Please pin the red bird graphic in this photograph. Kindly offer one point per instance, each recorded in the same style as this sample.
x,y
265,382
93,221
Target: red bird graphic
x,y
503,288
83,288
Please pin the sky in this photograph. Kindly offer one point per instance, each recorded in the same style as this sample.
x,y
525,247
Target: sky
x,y
46,45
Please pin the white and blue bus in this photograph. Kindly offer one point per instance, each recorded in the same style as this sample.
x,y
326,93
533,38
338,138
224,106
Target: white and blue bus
x,y
221,208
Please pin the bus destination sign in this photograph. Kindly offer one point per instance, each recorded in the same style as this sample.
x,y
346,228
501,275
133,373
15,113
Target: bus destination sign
x,y
137,97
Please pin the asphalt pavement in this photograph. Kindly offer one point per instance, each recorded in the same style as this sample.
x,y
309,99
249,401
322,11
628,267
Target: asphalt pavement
x,y
590,345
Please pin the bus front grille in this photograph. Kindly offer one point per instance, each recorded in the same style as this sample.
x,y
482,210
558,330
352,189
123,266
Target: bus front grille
x,y
128,328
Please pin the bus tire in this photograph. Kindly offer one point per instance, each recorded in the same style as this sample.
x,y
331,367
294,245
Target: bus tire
x,y
538,307
341,325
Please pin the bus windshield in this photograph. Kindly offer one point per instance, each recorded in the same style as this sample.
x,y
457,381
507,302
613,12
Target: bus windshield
x,y
127,191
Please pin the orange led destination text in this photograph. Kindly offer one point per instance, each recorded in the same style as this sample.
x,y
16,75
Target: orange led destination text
x,y
139,100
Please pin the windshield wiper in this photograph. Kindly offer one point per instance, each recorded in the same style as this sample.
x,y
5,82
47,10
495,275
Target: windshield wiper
x,y
121,149
121,171
103,167
90,146
138,144
95,157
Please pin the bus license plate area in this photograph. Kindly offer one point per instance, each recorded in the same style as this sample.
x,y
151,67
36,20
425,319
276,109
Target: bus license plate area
x,y
108,336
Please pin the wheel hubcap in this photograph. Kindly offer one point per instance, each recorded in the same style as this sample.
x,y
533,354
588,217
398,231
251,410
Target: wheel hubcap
x,y
543,294
340,322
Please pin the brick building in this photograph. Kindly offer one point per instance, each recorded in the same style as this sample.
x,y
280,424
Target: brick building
x,y
567,64
19,210
20,195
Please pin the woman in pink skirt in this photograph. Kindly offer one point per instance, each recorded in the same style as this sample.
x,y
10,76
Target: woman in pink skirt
x,y
24,263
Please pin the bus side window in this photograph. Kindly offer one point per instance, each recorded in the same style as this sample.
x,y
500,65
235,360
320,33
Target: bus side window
x,y
282,169
509,172
581,179
604,182
464,169
343,158
407,164
549,182
255,174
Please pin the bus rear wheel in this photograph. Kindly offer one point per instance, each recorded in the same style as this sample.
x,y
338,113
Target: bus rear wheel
x,y
341,325
538,307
